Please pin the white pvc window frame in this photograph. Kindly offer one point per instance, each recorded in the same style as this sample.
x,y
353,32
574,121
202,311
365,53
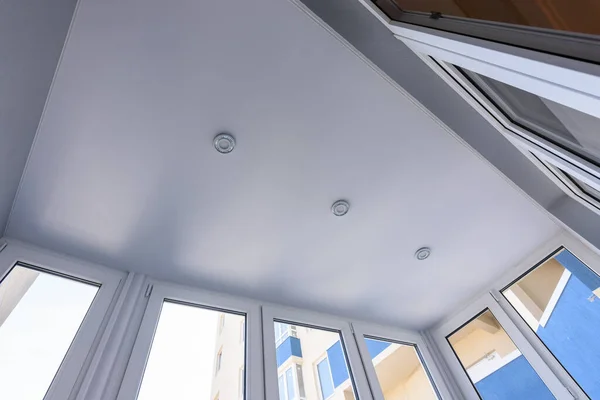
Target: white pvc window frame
x,y
323,358
363,331
271,313
570,82
589,257
74,363
161,291
293,367
548,157
515,326
487,302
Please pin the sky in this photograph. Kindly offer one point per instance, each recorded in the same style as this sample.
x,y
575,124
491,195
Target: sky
x,y
39,330
181,362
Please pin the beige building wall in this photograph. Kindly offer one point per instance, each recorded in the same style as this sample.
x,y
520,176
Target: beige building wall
x,y
418,387
483,346
399,365
13,288
479,343
535,295
226,383
415,387
540,283
314,344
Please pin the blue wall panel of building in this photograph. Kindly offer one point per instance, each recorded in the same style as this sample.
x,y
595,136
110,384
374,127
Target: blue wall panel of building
x,y
516,380
337,363
289,347
573,334
376,347
579,269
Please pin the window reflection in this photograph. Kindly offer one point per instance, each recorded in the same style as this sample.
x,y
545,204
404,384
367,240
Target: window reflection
x,y
494,364
564,126
40,314
311,364
559,300
574,15
399,371
196,354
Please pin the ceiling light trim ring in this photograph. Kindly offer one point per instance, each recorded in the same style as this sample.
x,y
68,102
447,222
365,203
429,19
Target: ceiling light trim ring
x,y
340,208
224,143
423,253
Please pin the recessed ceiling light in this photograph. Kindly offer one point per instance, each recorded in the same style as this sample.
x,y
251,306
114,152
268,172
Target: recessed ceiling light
x,y
224,143
423,253
340,208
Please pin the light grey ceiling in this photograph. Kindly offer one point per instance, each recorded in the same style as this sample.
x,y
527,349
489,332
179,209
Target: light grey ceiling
x,y
32,33
360,28
123,171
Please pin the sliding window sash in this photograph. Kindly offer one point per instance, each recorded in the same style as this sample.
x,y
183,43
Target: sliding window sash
x,y
569,82
552,160
563,43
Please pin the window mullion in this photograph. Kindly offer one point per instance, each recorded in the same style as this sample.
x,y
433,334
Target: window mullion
x,y
538,346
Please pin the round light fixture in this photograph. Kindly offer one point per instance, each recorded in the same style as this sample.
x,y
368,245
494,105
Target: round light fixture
x,y
340,208
423,253
224,143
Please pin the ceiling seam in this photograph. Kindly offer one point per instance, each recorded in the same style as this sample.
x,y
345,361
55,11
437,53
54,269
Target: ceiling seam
x,y
37,131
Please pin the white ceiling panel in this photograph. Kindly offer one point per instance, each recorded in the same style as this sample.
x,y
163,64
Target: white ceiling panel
x,y
123,171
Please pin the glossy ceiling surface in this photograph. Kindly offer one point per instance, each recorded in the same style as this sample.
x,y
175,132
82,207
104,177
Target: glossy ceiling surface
x,y
123,170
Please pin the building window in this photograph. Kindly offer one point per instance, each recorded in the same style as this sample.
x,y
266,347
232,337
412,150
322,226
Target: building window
x,y
218,361
559,301
186,355
283,331
300,381
325,378
291,383
558,139
400,372
282,388
40,314
493,363
567,127
325,357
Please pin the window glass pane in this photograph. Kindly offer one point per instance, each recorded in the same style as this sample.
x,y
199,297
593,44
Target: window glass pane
x,y
564,126
196,354
572,15
40,314
493,363
399,371
282,392
316,361
300,380
325,379
289,379
559,300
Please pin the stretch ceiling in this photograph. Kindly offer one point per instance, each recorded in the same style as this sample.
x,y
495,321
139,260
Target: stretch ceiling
x,y
123,171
